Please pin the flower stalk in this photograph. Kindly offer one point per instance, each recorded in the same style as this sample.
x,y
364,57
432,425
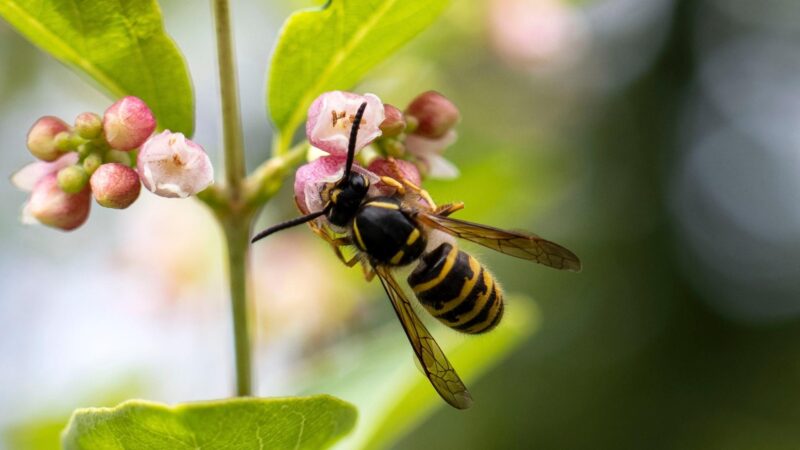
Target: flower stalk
x,y
235,221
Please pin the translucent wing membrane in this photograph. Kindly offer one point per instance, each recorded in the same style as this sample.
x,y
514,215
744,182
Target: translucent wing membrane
x,y
437,368
521,245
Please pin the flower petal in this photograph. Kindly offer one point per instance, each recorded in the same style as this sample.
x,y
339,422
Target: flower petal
x,y
27,177
330,118
172,166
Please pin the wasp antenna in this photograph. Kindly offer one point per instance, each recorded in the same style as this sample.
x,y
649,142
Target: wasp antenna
x,y
289,224
351,145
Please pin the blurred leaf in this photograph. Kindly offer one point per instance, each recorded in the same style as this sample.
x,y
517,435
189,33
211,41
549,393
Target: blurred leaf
x,y
239,423
120,44
42,434
391,393
334,47
43,431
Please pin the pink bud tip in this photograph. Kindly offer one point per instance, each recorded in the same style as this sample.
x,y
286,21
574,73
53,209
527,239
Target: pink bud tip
x,y
41,138
394,122
115,185
172,166
128,123
435,114
53,207
330,119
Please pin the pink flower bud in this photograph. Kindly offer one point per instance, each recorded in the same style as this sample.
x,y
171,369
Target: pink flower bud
x,y
330,118
172,166
42,138
396,168
435,114
53,207
128,123
115,185
88,125
394,123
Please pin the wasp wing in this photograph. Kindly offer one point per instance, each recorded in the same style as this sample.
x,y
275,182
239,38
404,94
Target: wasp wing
x,y
434,363
521,245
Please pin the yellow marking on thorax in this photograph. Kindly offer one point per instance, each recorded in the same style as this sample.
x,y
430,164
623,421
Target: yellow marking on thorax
x,y
448,265
480,302
397,257
469,284
358,236
412,237
384,205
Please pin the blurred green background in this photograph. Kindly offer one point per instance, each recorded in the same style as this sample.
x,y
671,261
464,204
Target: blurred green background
x,y
657,139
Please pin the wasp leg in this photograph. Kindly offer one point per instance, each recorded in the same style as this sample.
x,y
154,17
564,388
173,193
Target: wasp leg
x,y
408,184
369,272
421,192
447,209
336,243
389,181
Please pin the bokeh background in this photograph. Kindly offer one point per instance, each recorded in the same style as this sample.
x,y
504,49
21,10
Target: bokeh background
x,y
658,139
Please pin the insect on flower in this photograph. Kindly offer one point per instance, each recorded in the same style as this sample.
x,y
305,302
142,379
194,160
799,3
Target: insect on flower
x,y
393,231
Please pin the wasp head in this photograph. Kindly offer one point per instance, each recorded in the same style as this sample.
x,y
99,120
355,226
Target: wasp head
x,y
345,196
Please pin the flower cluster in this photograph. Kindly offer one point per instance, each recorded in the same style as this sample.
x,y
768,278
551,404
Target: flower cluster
x,y
407,144
106,157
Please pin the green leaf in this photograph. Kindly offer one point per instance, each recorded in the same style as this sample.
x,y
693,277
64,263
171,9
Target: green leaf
x,y
120,44
332,48
240,423
391,393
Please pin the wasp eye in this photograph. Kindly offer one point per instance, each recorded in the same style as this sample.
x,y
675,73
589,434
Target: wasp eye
x,y
359,182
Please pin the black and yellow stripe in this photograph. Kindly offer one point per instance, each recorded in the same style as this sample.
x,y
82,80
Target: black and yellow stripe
x,y
457,290
386,233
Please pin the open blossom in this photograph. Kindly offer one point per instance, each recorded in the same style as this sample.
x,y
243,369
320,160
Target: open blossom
x,y
429,153
310,178
128,123
27,177
172,166
330,118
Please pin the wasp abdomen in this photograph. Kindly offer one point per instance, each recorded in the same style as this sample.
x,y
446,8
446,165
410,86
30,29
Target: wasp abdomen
x,y
456,289
385,233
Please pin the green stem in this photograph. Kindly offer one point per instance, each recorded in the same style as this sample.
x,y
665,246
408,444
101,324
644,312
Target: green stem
x,y
235,217
231,118
237,234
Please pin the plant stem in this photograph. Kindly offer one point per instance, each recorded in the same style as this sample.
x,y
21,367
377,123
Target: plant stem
x,y
237,235
235,219
231,118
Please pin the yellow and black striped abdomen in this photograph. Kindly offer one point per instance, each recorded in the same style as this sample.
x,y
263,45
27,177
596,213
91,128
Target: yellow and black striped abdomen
x,y
456,289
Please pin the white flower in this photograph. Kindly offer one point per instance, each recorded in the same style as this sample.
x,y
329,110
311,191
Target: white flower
x,y
429,153
331,116
172,166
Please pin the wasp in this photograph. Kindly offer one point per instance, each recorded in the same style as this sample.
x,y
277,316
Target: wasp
x,y
389,232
